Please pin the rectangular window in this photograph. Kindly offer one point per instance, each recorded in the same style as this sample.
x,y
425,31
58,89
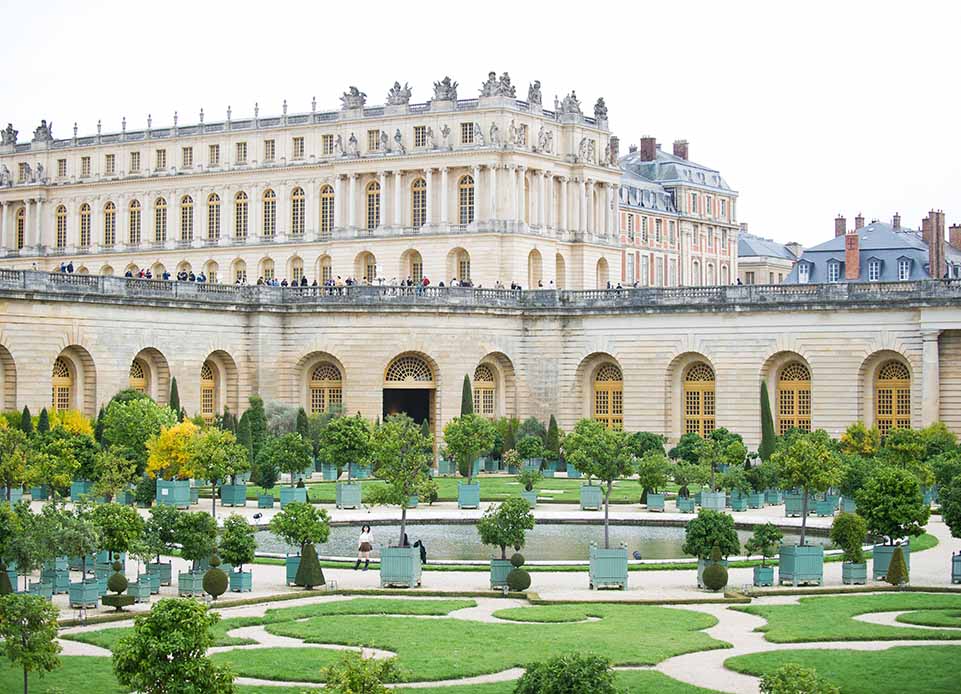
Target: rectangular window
x,y
658,231
723,204
61,168
161,160
659,270
644,271
671,234
270,150
748,278
187,157
874,271
770,278
834,272
327,145
673,272
467,133
904,269
110,164
298,148
803,273
708,207
630,228
213,155
241,152
630,268
420,136
84,167
373,140
644,230
22,172
135,162
693,203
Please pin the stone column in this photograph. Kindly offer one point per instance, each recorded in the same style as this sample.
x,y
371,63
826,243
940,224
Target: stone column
x,y
383,198
523,204
228,211
352,202
541,199
492,168
429,183
930,378
338,202
477,193
514,201
444,200
398,177
563,220
3,226
38,222
585,212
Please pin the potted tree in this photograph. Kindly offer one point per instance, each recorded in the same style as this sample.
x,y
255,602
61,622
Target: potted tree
x,y
237,547
892,505
764,541
288,453
710,529
602,453
855,471
531,450
653,474
161,531
115,475
143,551
344,441
169,462
805,461
197,533
505,525
950,497
848,532
685,476
735,481
761,476
80,538
265,475
467,438
552,446
529,478
218,457
119,527
708,453
300,525
401,453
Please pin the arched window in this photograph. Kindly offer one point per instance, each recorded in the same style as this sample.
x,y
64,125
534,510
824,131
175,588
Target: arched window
x,y
326,212
160,220
699,399
109,224
211,268
409,368
270,213
603,274
133,236
240,215
326,271
62,385
892,397
609,396
297,208
186,218
138,377
84,225
710,275
484,392
296,271
213,217
415,266
418,203
61,226
21,227
535,269
465,199
240,272
373,205
267,269
325,390
794,398
208,392
366,267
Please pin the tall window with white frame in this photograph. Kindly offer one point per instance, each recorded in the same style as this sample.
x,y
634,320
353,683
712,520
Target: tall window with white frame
x,y
834,272
109,224
874,270
135,162
85,225
485,392
326,212
270,213
213,155
418,203
373,205
110,164
160,160
904,270
160,220
213,217
240,215
61,226
270,150
467,133
21,227
465,200
298,148
241,153
297,211
133,223
186,218
187,157
803,273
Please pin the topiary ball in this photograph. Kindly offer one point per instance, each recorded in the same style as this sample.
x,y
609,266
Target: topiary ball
x,y
714,577
117,566
117,583
517,560
518,580
215,582
214,561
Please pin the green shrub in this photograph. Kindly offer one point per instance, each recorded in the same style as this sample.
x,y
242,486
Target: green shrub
x,y
950,499
897,574
710,529
518,580
145,491
215,580
794,679
355,675
892,504
848,532
517,560
568,674
117,583
309,573
714,577
764,541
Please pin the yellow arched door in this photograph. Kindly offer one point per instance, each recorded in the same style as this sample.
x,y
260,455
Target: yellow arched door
x,y
208,392
608,397
61,385
325,390
794,398
892,397
699,400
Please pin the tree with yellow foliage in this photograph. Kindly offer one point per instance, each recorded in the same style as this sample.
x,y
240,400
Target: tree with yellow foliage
x,y
170,453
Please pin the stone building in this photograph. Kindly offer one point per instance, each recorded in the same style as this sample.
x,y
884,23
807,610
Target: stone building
x,y
763,261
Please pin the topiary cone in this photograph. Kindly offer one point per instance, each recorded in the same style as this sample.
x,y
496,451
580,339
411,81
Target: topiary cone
x,y
5,587
309,573
897,574
215,582
714,577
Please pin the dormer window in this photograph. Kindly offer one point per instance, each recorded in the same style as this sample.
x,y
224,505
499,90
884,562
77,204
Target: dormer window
x,y
874,270
904,269
803,273
834,271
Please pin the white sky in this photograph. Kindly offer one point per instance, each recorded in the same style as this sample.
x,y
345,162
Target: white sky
x,y
807,109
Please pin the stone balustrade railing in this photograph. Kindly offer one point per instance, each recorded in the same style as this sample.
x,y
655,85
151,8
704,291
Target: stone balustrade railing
x,y
741,297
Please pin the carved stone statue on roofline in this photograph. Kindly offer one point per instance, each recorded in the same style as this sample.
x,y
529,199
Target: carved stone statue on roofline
x,y
44,132
534,93
445,90
489,87
353,98
8,136
505,88
398,96
600,109
570,105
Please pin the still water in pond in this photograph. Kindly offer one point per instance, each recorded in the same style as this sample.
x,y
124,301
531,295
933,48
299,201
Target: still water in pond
x,y
544,542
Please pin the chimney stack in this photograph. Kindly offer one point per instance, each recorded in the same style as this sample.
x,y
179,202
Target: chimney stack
x,y
840,226
743,227
794,248
896,222
680,149
648,148
852,255
932,228
954,236
858,222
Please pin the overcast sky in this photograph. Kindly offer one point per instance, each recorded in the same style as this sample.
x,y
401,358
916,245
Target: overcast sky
x,y
807,109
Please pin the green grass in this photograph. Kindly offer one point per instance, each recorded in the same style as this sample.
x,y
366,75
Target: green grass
x,y
932,618
904,669
77,673
830,618
282,664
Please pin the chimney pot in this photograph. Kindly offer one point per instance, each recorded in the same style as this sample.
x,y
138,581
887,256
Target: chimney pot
x,y
840,226
896,223
648,148
954,236
858,221
743,227
680,149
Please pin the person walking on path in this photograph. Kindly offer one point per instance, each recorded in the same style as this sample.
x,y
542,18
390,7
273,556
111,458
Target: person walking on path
x,y
364,545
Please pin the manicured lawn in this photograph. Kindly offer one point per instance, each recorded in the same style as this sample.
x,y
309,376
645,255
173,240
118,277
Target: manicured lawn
x,y
830,618
933,618
904,669
78,673
282,664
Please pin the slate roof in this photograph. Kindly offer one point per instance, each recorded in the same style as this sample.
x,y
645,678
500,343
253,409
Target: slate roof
x,y
749,245
671,170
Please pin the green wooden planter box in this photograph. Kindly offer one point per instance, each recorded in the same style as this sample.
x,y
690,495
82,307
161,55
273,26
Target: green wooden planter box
x,y
104,558
956,568
76,563
573,473
532,465
400,566
360,472
125,498
773,497
763,576
190,583
490,465
930,495
265,501
58,564
39,493
233,495
824,508
655,502
854,574
882,559
289,495
792,505
531,497
608,568
12,573
833,499
468,495
103,575
163,570
242,581
348,495
547,473
140,590
79,488
697,498
446,467
848,505
685,505
84,594
499,570
329,472
716,501
153,582
59,579
591,497
41,588
174,493
303,475
797,564
739,503
194,496
703,564
755,500
292,564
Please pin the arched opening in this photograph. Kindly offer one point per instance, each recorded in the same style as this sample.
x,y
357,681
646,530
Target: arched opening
x,y
296,270
132,269
412,266
74,381
710,275
325,390
458,265
365,267
211,270
699,399
560,272
106,271
603,273
239,271
325,271
535,270
409,387
157,270
62,385
725,278
695,274
208,391
793,397
485,392
218,385
137,380
892,397
8,380
82,270
184,266
150,374
608,396
267,269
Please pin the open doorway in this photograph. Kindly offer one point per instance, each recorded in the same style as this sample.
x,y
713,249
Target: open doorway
x,y
415,402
